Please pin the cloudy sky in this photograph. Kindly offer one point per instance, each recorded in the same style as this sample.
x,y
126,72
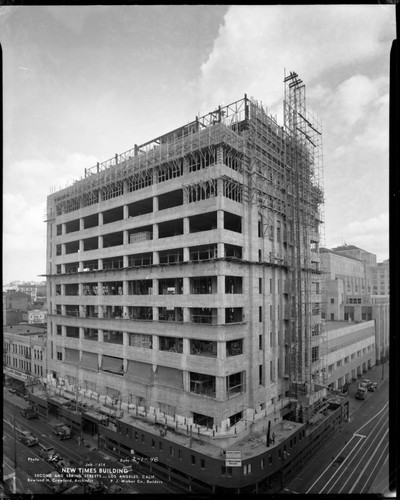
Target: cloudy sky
x,y
83,83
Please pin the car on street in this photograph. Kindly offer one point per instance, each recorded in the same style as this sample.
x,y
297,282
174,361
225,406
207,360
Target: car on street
x,y
12,390
49,453
361,393
29,413
373,386
26,437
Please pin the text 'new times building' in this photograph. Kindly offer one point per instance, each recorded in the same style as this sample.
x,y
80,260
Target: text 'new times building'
x,y
184,291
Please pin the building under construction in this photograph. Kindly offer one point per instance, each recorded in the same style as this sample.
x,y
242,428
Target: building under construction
x,y
184,289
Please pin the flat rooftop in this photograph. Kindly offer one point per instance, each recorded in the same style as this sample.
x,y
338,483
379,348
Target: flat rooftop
x,y
25,329
336,325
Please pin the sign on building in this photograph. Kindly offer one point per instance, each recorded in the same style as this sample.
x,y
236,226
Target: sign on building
x,y
233,459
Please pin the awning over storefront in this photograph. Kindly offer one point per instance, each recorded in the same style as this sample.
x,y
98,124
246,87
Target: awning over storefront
x,y
169,377
72,356
139,372
90,360
112,364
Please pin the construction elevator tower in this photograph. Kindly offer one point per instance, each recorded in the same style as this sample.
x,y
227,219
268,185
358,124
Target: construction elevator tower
x,y
304,201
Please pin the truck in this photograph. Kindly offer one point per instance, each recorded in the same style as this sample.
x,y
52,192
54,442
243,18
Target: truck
x,y
62,431
26,437
361,393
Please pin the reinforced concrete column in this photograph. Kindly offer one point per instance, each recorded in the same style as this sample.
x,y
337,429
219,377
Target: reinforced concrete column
x,y
155,203
221,350
220,316
125,237
63,228
220,219
220,284
186,254
155,314
186,381
100,264
155,286
186,346
220,250
101,219
186,315
220,154
220,387
81,224
155,342
186,286
100,241
186,225
125,261
156,257
125,209
155,231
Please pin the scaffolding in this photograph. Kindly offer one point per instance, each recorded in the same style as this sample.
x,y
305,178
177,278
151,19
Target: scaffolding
x,y
304,201
277,169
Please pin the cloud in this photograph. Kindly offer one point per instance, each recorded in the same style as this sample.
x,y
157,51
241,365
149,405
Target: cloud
x,y
256,43
369,234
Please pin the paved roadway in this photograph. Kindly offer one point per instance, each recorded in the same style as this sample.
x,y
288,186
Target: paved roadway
x,y
30,465
355,460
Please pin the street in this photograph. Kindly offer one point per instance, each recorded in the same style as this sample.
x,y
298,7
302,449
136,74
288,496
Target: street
x,y
32,470
352,461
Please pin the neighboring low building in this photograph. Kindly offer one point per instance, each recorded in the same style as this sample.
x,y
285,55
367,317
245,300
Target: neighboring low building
x,y
24,356
37,316
350,351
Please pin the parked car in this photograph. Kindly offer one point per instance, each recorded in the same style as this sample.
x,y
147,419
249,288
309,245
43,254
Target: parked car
x,y
29,413
26,437
373,386
12,390
366,381
49,453
62,431
361,393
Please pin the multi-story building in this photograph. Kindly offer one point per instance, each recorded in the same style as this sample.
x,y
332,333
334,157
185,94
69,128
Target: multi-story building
x,y
37,291
348,293
183,280
380,281
15,307
24,356
349,350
